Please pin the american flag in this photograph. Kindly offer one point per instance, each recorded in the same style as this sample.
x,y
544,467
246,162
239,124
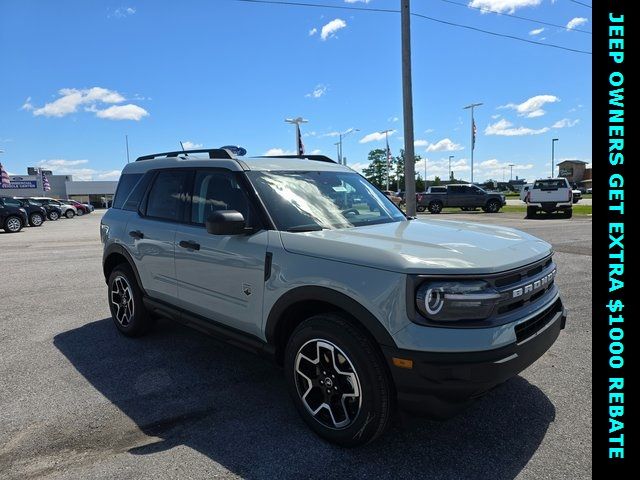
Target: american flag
x,y
300,144
473,134
45,183
5,178
388,156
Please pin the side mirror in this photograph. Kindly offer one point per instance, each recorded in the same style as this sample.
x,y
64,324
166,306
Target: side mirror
x,y
225,222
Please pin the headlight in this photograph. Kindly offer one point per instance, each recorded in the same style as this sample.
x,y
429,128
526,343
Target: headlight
x,y
448,301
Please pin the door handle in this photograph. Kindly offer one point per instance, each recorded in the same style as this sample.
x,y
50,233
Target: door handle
x,y
189,244
136,234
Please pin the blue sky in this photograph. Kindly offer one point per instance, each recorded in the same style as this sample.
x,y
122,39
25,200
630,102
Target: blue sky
x,y
78,76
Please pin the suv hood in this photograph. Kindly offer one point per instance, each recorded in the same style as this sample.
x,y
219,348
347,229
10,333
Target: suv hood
x,y
423,246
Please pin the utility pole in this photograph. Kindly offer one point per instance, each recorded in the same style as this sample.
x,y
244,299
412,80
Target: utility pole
x,y
511,165
337,144
341,135
407,101
553,157
473,133
297,121
450,157
126,139
388,154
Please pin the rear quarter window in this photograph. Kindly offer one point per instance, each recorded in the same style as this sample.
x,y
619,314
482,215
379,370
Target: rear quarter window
x,y
125,185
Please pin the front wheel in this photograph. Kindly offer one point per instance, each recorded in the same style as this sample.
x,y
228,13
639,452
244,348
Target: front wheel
x,y
36,220
338,381
568,213
435,207
531,212
493,206
421,208
69,213
80,212
54,216
12,224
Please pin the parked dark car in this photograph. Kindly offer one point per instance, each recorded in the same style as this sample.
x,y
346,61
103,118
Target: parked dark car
x,y
54,212
12,218
466,197
35,213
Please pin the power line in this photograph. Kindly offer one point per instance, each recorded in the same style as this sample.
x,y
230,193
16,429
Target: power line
x,y
425,17
580,3
533,20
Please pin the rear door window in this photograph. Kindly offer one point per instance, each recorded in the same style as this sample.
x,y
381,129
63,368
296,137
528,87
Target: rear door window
x,y
550,184
168,195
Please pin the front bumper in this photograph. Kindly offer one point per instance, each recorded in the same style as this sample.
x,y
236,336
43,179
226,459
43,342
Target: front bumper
x,y
442,384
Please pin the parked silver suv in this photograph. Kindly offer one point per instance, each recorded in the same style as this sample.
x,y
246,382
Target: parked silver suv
x,y
302,260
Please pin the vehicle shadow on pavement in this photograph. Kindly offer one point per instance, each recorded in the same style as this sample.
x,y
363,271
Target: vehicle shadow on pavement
x,y
183,388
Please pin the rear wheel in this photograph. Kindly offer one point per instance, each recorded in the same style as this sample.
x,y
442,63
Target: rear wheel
x,y
435,207
12,224
568,213
338,381
69,213
80,212
36,220
531,212
54,216
421,208
125,301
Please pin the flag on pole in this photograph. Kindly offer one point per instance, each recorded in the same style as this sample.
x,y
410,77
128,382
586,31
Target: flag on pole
x,y
300,144
5,182
45,183
388,157
473,134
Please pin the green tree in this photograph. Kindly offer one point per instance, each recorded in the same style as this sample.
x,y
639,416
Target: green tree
x,y
437,181
376,172
399,170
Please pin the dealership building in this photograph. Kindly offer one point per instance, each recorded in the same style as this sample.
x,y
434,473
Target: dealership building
x,y
98,193
577,172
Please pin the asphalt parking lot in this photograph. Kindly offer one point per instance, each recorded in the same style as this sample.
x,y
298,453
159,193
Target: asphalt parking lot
x,y
78,400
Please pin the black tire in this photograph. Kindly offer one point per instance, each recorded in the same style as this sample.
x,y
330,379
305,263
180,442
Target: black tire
x,y
53,215
127,309
365,414
531,212
493,206
568,213
435,207
69,213
421,208
80,212
12,224
36,220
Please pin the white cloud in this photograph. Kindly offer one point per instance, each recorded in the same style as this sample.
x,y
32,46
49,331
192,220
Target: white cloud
x,y
317,92
496,116
79,169
191,145
536,31
429,130
509,6
421,143
444,145
123,12
532,107
330,134
70,99
317,151
329,30
313,31
375,137
123,112
564,123
392,119
274,152
506,129
576,22
357,1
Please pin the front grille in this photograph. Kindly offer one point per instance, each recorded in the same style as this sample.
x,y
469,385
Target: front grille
x,y
533,325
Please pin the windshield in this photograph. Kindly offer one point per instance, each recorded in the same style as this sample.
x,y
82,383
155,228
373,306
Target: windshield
x,y
308,201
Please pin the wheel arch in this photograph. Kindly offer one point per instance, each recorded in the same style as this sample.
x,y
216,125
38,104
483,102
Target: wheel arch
x,y
298,304
113,256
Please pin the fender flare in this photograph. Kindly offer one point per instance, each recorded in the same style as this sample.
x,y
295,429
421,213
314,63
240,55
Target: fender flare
x,y
333,297
119,249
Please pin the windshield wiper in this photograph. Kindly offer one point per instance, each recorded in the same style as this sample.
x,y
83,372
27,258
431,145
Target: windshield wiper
x,y
305,228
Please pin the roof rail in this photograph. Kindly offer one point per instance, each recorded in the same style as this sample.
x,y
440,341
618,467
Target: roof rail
x,y
317,158
213,153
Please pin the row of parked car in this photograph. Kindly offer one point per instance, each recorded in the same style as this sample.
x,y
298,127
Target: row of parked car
x,y
19,212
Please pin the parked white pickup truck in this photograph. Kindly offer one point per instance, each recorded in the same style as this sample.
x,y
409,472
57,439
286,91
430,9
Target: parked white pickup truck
x,y
549,195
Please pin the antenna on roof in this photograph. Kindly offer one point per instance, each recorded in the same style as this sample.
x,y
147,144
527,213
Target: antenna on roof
x,y
182,146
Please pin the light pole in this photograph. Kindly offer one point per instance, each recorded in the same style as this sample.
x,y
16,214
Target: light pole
x,y
388,152
553,156
341,135
297,121
511,165
473,133
407,110
337,144
450,157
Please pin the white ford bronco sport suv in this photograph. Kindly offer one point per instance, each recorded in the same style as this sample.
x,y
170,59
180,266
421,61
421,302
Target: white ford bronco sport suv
x,y
302,260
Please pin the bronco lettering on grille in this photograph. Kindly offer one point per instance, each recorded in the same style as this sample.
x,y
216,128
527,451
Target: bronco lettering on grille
x,y
533,286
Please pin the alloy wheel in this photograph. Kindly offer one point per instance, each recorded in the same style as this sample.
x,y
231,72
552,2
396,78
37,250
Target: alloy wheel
x,y
122,300
14,224
54,216
36,220
327,384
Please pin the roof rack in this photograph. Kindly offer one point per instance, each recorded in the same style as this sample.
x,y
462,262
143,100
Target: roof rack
x,y
213,153
317,158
